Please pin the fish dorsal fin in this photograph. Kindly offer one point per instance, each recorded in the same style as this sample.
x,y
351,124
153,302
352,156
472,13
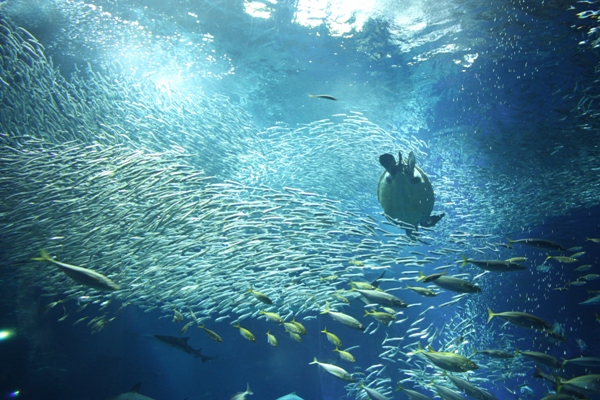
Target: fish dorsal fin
x,y
184,340
136,387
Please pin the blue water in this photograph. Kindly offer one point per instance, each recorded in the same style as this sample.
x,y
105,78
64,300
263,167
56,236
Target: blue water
x,y
495,89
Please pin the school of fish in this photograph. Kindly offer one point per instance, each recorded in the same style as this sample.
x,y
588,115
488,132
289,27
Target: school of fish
x,y
117,192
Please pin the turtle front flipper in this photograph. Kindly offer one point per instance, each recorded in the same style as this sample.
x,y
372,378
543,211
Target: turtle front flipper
x,y
433,219
410,168
388,162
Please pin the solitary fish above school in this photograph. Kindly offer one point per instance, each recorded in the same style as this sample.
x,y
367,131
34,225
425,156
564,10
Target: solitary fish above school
x,y
83,276
405,192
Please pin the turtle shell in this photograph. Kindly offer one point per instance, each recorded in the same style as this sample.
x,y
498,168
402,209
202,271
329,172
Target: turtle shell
x,y
401,199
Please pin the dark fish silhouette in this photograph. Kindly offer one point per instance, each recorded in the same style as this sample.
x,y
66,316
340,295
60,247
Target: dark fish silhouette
x,y
182,344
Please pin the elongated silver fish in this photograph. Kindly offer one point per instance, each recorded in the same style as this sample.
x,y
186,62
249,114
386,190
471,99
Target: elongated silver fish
x,y
83,276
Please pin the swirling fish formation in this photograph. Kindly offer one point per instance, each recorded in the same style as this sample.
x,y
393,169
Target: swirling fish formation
x,y
184,206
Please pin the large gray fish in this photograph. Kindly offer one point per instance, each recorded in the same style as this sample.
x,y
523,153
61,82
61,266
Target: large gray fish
x,y
539,243
521,319
494,265
382,298
182,344
541,358
456,284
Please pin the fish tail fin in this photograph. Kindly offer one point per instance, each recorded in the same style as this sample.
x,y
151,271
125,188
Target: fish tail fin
x,y
324,330
490,315
419,348
314,361
399,387
198,353
464,261
421,276
312,96
564,361
248,391
44,256
326,310
510,242
559,383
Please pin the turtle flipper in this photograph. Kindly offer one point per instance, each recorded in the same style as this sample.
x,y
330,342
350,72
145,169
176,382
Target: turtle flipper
x,y
433,219
410,167
388,162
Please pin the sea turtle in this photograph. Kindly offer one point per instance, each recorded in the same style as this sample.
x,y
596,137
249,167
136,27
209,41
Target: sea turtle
x,y
405,192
